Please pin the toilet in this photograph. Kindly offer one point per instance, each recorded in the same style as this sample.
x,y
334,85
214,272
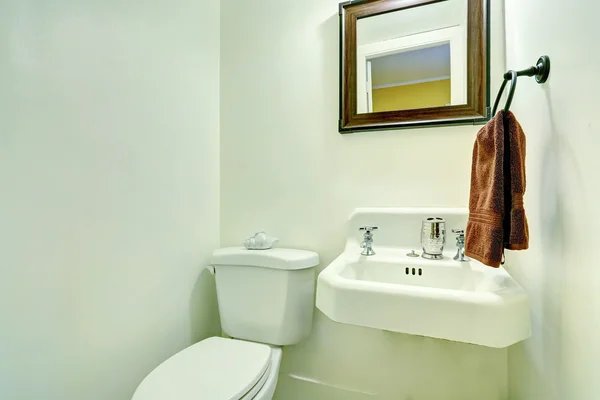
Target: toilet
x,y
266,300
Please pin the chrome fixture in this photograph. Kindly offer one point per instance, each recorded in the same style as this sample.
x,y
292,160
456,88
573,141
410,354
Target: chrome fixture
x,y
412,254
460,245
367,243
433,238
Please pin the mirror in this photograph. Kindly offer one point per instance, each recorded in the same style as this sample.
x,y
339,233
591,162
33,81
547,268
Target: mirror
x,y
407,63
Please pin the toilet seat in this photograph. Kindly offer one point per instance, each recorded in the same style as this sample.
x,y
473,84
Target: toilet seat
x,y
213,369
251,394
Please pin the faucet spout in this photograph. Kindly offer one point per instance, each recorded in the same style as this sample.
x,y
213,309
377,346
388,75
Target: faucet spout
x,y
368,251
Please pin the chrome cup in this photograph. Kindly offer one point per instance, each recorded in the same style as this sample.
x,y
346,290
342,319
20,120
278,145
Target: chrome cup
x,y
433,238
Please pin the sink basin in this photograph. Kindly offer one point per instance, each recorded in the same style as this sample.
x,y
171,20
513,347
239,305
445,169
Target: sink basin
x,y
461,301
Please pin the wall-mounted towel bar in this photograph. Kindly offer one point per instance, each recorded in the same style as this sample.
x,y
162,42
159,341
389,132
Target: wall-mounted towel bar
x,y
541,70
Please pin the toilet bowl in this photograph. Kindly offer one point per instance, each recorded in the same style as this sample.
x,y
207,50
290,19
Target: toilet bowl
x,y
266,300
215,368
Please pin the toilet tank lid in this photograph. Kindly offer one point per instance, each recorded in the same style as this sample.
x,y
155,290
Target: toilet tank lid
x,y
278,258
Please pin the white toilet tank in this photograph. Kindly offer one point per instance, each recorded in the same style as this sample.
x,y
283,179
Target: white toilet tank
x,y
266,296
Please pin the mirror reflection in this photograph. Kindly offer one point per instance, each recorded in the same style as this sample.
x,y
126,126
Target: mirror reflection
x,y
413,58
398,82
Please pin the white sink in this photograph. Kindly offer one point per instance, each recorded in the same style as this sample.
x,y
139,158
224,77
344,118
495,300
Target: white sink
x,y
461,301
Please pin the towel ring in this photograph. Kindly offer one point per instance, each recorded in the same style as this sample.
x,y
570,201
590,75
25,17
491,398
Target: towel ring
x,y
511,93
541,71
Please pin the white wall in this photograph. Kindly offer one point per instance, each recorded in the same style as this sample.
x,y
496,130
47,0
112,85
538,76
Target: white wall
x,y
285,169
109,158
560,271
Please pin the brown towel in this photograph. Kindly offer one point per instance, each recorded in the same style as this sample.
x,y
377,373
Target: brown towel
x,y
496,214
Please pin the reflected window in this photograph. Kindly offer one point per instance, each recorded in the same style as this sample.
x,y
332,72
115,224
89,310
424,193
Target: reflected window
x,y
411,79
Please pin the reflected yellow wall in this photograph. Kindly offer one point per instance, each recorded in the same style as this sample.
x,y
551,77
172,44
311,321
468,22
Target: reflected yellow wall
x,y
420,95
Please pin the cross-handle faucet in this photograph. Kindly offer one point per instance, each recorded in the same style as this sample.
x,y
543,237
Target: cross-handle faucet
x,y
460,245
367,243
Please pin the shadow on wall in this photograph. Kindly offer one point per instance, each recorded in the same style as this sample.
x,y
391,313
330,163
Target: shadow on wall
x,y
554,201
204,310
552,223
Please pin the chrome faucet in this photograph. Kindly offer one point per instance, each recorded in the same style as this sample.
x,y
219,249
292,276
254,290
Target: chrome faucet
x,y
367,243
460,245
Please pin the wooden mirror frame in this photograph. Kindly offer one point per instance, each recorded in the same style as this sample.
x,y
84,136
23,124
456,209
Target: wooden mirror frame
x,y
478,66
